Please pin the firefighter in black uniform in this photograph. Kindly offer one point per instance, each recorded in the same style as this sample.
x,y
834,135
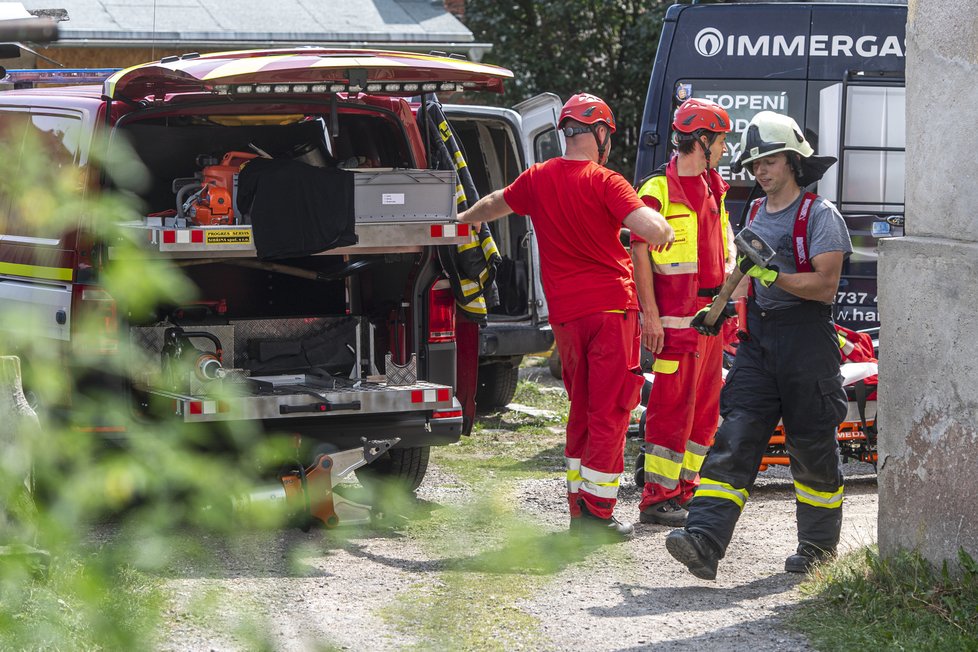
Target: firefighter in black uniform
x,y
788,367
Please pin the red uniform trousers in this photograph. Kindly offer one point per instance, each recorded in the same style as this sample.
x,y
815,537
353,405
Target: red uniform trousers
x,y
599,354
681,419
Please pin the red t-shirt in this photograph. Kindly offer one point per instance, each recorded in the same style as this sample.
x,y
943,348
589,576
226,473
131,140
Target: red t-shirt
x,y
577,208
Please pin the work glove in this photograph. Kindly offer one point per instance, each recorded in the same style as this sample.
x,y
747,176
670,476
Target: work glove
x,y
766,275
697,324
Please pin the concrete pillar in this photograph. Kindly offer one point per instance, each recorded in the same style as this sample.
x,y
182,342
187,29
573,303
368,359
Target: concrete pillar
x,y
928,287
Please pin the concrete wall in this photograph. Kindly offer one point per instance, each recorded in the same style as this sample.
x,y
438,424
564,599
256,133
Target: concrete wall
x,y
928,286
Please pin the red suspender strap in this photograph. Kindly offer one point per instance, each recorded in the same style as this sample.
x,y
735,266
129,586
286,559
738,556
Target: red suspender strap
x,y
754,207
800,236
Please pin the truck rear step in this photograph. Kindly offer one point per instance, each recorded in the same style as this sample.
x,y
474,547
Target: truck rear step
x,y
279,397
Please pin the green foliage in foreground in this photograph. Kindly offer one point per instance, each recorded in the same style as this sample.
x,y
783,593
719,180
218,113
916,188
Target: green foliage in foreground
x,y
87,528
867,602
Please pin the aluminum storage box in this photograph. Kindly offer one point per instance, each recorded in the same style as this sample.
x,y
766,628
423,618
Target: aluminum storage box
x,y
404,195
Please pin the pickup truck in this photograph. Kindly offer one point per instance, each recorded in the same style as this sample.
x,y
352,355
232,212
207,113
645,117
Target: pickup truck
x,y
351,333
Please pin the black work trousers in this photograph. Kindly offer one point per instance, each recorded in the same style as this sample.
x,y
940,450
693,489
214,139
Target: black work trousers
x,y
789,370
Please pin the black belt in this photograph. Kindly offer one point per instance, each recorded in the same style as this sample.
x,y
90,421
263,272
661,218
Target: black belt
x,y
708,292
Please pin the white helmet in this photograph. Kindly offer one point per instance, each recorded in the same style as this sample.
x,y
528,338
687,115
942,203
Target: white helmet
x,y
769,133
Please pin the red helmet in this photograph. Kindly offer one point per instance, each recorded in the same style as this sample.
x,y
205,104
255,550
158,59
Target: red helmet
x,y
695,114
587,109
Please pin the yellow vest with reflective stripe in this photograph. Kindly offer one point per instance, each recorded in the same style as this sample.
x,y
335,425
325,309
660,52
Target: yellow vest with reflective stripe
x,y
675,272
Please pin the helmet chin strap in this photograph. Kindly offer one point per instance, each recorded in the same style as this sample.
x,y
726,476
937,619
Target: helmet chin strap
x,y
602,144
706,148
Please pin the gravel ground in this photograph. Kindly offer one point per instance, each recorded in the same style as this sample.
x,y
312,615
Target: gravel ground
x,y
329,590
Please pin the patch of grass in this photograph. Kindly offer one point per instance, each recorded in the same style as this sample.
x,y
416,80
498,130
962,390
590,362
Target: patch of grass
x,y
547,398
490,556
71,609
864,601
489,559
505,455
459,614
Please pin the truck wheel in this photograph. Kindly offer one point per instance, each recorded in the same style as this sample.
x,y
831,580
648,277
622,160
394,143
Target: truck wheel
x,y
405,467
556,370
497,385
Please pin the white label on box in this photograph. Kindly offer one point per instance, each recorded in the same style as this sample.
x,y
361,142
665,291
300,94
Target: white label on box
x,y
393,198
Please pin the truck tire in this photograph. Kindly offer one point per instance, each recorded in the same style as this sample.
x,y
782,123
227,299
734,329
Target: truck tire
x,y
556,370
497,385
405,467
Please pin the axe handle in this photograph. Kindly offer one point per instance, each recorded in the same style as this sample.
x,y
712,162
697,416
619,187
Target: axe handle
x,y
720,302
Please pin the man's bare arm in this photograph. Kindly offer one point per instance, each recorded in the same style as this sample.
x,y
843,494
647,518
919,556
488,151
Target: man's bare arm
x,y
819,285
653,336
731,259
489,208
651,227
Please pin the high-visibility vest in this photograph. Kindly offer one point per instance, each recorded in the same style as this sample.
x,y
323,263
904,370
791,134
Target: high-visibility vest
x,y
675,272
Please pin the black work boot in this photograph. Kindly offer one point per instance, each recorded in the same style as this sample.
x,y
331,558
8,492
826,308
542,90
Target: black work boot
x,y
600,530
807,557
694,550
669,512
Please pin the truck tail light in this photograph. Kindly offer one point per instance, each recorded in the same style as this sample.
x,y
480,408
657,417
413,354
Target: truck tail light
x,y
441,312
447,414
94,308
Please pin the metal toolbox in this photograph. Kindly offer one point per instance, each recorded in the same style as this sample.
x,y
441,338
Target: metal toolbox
x,y
404,195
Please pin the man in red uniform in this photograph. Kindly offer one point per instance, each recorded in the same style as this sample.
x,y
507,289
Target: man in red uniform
x,y
673,285
578,207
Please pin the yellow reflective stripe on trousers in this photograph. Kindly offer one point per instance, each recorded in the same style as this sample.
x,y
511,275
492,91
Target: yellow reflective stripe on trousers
x,y
710,488
574,479
600,484
601,489
663,466
815,498
599,477
676,322
693,460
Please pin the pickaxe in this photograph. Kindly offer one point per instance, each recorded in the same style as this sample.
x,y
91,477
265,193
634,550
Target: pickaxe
x,y
756,252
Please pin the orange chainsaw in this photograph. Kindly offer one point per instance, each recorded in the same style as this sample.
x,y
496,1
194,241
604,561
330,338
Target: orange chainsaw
x,y
209,198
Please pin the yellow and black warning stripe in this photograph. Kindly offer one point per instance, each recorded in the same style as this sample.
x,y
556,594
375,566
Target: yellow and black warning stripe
x,y
471,267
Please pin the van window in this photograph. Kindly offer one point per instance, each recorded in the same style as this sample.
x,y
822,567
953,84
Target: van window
x,y
56,137
13,126
59,135
546,145
870,171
